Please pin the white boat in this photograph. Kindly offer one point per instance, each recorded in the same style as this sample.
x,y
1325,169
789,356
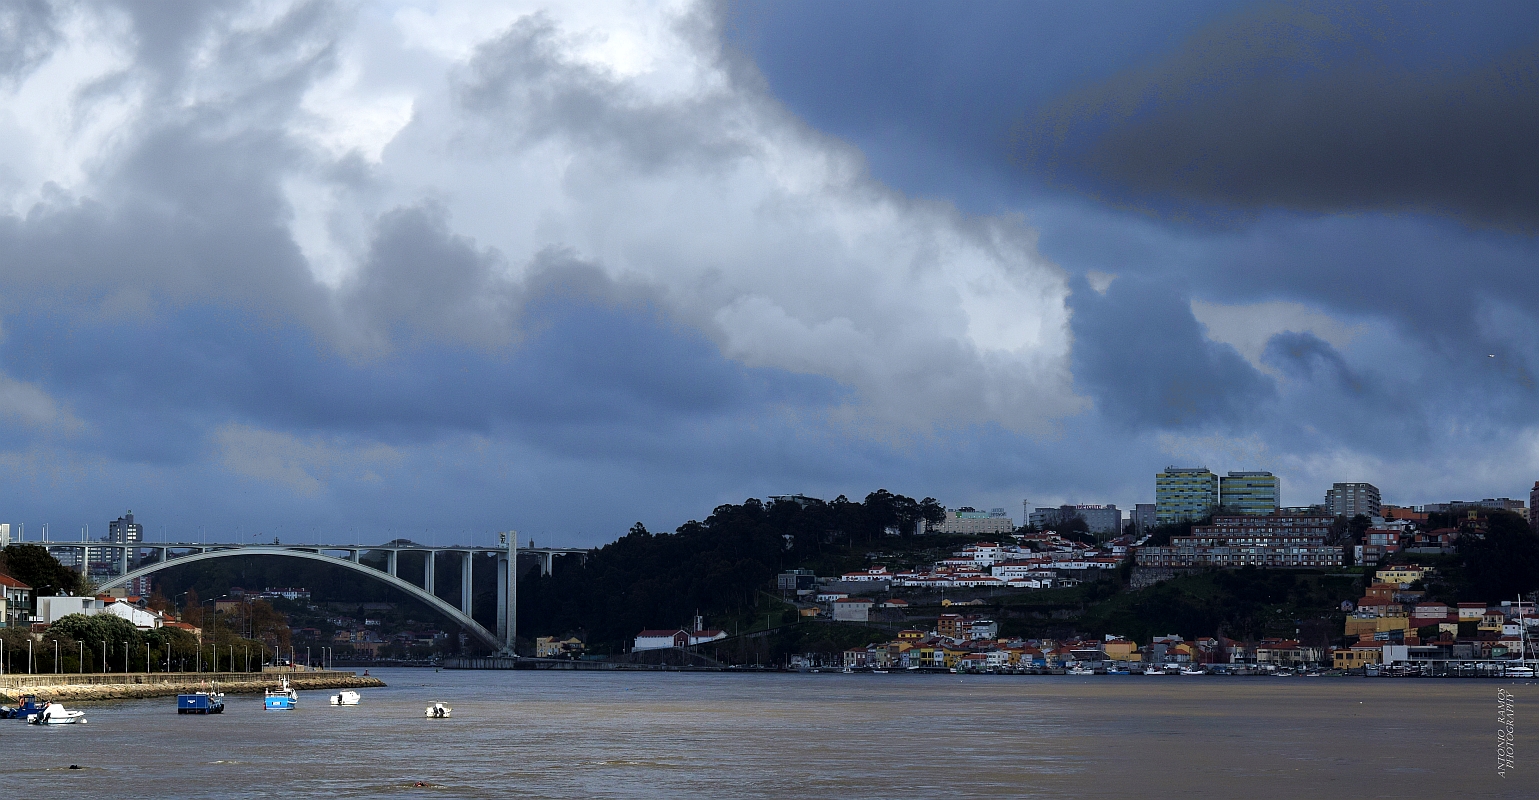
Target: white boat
x,y
1519,672
1193,671
1081,671
437,711
347,697
1153,670
56,714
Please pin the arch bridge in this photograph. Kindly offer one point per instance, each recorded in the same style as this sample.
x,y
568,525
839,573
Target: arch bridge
x,y
141,559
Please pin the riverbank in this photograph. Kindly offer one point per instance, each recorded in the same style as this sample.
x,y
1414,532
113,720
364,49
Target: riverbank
x,y
80,688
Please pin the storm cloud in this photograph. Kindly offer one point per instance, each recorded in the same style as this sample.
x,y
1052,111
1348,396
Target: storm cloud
x,y
1322,108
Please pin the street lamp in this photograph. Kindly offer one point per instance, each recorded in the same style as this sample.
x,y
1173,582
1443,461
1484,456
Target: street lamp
x,y
81,662
55,656
125,658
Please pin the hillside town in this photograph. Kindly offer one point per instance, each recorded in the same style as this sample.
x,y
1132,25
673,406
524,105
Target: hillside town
x,y
1200,522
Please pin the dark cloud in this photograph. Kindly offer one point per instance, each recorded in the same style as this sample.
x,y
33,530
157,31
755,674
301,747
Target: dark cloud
x,y
1143,356
1320,109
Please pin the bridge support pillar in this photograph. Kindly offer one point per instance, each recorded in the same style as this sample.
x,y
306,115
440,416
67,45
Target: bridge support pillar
x,y
547,562
428,572
507,592
390,561
123,559
353,555
467,597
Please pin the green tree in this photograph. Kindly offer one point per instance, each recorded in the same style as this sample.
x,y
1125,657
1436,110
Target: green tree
x,y
33,565
1502,561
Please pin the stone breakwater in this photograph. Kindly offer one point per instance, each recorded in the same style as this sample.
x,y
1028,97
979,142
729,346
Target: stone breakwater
x,y
82,688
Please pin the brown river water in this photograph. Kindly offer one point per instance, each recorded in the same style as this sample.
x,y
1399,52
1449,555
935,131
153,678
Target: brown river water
x,y
707,735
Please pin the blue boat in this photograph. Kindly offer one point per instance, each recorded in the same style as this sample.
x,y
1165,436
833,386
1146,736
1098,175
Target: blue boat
x,y
282,699
200,703
29,706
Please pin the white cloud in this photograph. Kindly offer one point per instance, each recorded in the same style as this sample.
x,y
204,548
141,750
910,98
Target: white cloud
x,y
304,465
1248,327
621,134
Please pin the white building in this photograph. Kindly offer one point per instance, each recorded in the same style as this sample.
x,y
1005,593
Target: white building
x,y
660,639
52,609
995,520
853,609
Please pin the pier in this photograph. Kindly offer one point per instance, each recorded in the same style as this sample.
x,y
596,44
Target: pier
x,y
166,684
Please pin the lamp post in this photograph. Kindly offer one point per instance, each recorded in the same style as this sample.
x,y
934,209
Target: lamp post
x,y
146,658
55,656
29,656
81,663
125,658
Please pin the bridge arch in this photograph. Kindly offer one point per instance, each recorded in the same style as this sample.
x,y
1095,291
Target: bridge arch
x,y
462,619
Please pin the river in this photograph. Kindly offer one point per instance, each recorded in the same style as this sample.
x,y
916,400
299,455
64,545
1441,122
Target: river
x,y
711,735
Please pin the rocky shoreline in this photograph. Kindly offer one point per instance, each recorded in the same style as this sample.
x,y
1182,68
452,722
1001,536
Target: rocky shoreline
x,y
64,689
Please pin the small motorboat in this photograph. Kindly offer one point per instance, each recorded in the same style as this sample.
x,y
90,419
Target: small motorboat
x,y
1519,672
878,672
437,711
1081,670
284,698
347,697
1193,671
1153,670
56,714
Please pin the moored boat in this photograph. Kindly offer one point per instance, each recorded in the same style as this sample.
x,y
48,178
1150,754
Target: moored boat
x,y
347,697
56,714
1193,671
200,703
283,698
28,706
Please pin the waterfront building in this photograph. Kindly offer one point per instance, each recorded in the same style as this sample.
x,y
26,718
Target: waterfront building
x,y
660,639
1351,499
1276,541
1250,493
1184,493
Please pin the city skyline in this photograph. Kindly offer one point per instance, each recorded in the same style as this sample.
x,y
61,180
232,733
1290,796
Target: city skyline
x,y
439,270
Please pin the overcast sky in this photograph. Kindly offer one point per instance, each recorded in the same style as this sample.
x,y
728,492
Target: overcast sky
x,y
355,271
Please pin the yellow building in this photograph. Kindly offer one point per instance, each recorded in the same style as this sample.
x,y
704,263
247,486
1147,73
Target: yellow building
x,y
1121,650
1400,575
1359,625
1356,657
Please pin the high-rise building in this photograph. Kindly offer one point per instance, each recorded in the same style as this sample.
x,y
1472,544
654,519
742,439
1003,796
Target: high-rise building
x,y
1250,492
1533,502
124,530
1143,518
1351,499
1183,493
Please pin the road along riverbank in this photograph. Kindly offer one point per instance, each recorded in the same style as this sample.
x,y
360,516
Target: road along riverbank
x,y
80,688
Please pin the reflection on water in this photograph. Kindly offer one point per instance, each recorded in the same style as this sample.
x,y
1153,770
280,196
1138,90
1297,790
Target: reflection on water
x,y
631,735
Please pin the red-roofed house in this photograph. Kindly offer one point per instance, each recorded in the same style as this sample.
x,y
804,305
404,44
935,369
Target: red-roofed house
x,y
16,604
660,639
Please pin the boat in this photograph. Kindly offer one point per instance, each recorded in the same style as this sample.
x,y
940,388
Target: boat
x,y
1193,671
28,706
1118,671
1081,670
437,711
1153,670
878,672
209,702
56,714
348,697
1519,672
283,698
